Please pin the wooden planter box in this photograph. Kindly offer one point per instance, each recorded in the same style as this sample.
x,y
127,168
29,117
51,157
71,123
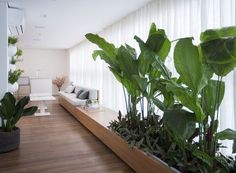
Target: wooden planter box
x,y
97,121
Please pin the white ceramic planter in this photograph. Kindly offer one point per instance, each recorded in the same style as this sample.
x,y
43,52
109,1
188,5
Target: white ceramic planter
x,y
12,50
13,87
12,67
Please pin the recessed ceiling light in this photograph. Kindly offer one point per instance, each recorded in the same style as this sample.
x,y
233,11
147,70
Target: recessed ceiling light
x,y
39,27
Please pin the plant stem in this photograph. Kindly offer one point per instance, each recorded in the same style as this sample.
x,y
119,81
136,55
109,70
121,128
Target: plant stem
x,y
217,115
126,104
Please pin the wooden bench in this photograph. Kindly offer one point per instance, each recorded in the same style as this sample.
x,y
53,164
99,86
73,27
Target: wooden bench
x,y
97,121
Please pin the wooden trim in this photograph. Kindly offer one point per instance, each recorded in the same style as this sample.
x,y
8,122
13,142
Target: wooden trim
x,y
97,123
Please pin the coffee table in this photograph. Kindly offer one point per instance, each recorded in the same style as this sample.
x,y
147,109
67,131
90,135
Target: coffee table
x,y
42,103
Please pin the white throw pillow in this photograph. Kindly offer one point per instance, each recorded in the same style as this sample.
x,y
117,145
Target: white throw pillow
x,y
69,89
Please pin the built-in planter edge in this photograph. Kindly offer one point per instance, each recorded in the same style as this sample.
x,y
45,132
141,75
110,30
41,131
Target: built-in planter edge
x,y
137,159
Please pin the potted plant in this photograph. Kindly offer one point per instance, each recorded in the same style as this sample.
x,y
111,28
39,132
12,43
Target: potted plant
x,y
12,49
10,113
186,135
15,58
13,77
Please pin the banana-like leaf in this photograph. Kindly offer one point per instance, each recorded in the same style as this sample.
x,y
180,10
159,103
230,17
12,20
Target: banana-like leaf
x,y
103,56
108,48
141,82
189,101
220,54
29,111
188,64
149,57
228,134
146,58
158,42
212,34
209,96
184,128
126,61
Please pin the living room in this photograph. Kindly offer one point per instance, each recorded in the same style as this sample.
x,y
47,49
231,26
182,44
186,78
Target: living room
x,y
117,86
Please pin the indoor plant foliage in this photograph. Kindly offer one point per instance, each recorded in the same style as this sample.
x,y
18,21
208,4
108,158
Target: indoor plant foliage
x,y
10,112
186,136
14,53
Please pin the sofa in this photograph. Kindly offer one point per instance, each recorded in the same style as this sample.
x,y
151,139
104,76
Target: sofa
x,y
71,97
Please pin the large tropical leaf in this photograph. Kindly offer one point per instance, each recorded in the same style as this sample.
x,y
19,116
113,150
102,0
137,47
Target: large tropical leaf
x,y
212,34
219,50
126,61
184,128
209,96
228,134
187,99
148,59
103,56
158,42
188,64
108,48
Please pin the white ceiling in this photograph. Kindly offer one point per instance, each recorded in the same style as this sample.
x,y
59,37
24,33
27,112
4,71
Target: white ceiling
x,y
61,24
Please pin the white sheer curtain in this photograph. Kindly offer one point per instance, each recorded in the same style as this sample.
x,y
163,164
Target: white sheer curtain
x,y
180,18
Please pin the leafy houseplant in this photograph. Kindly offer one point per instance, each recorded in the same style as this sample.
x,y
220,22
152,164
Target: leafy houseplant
x,y
14,59
12,40
14,76
10,112
186,135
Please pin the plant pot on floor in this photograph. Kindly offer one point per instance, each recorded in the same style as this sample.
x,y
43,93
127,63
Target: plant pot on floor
x,y
9,140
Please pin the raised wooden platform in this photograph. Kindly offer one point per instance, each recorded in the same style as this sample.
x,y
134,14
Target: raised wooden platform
x,y
97,122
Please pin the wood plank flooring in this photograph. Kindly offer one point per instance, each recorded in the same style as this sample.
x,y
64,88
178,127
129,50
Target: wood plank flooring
x,y
59,144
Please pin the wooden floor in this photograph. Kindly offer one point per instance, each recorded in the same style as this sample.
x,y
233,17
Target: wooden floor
x,y
59,144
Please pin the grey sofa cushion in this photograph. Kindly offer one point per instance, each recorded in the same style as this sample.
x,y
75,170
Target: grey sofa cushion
x,y
84,95
78,93
77,88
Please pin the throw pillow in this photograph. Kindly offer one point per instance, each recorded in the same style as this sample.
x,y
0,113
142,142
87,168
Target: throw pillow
x,y
77,89
69,89
78,93
84,95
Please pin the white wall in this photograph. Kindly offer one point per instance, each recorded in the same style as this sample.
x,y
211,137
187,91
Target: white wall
x,y
47,63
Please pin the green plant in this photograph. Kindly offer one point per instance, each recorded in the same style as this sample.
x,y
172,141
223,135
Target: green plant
x,y
186,135
19,52
12,40
11,111
14,59
14,76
